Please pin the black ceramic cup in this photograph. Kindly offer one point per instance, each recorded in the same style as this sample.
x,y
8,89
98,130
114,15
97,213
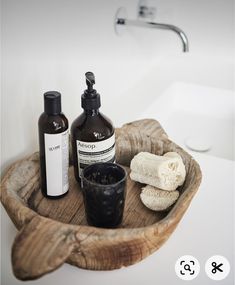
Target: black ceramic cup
x,y
104,191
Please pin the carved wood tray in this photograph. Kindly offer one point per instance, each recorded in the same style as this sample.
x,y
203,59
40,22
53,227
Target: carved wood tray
x,y
55,231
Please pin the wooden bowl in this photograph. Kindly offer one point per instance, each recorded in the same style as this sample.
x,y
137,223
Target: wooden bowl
x,y
55,231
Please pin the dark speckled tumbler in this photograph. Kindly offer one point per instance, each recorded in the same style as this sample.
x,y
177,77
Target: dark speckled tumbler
x,y
104,191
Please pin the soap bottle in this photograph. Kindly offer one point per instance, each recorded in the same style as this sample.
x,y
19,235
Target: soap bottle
x,y
53,147
93,138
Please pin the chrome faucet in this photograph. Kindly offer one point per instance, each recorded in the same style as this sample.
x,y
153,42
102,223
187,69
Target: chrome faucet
x,y
145,12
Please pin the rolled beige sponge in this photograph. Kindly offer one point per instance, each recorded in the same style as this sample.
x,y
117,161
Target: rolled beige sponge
x,y
166,172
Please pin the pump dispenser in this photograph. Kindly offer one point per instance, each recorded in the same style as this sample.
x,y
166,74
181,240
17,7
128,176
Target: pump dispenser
x,y
90,98
93,138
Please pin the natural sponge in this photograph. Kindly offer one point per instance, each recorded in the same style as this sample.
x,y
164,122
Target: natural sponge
x,y
157,199
166,172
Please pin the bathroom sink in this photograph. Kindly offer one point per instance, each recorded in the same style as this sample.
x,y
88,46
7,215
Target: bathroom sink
x,y
197,117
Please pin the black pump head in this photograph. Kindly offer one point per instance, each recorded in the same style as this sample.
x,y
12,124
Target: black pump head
x,y
90,98
90,80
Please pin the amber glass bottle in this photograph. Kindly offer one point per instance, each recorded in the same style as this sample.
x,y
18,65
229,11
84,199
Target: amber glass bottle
x,y
53,147
93,138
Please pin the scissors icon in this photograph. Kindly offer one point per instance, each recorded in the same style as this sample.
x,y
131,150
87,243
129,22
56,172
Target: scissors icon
x,y
216,267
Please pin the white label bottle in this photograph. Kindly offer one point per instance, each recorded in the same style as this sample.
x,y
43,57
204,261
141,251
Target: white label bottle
x,y
53,147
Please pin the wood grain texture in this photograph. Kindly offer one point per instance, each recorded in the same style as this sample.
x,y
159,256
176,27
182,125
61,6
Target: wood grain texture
x,y
55,231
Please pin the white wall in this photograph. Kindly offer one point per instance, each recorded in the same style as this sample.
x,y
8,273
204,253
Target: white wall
x,y
50,44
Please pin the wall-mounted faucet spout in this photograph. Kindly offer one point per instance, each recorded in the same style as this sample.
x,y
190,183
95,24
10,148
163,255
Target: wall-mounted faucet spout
x,y
144,24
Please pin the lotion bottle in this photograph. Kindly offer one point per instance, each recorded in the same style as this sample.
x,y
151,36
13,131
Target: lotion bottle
x,y
53,147
93,138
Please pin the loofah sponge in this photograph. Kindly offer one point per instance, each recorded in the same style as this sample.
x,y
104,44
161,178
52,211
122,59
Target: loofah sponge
x,y
166,172
157,199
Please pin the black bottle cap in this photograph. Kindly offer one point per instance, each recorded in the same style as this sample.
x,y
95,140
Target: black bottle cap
x,y
90,98
52,103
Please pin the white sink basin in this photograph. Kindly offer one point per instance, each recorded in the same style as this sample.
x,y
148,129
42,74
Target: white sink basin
x,y
203,116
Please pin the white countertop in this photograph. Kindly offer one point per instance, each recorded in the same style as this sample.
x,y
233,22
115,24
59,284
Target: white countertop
x,y
205,230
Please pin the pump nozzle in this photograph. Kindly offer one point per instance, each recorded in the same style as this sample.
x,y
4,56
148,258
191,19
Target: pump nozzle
x,y
90,98
90,80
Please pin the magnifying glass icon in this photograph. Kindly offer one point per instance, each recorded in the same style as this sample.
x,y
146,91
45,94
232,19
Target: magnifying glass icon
x,y
187,267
